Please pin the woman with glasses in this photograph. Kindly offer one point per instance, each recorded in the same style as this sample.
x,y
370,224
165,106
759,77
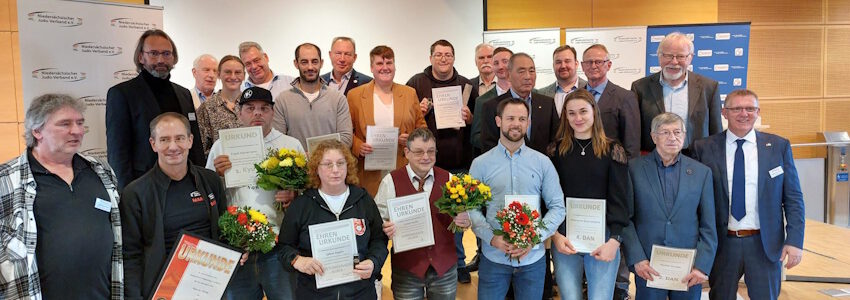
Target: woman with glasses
x,y
219,112
334,195
589,165
384,103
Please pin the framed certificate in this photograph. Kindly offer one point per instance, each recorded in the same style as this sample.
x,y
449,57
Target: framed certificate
x,y
198,268
244,146
413,225
585,222
335,246
673,264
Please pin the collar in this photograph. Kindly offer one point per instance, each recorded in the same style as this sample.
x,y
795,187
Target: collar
x,y
515,95
499,90
77,163
501,148
481,81
411,174
273,135
572,88
664,82
660,162
731,138
600,88
344,77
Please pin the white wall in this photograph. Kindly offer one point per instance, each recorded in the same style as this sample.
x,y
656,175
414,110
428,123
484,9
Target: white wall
x,y
408,26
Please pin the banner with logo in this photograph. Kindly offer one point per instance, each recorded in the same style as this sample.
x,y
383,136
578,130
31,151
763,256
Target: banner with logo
x,y
81,49
626,47
721,52
537,43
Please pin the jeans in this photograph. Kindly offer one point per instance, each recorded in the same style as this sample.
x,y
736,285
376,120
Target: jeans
x,y
261,274
600,275
494,278
461,255
405,285
647,293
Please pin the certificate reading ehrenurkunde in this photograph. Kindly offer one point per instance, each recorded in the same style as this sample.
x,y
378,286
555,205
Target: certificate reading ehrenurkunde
x,y
413,225
335,246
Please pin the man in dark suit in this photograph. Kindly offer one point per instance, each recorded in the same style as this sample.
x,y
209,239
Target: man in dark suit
x,y
543,116
343,77
617,106
675,89
756,187
673,206
131,105
486,79
565,65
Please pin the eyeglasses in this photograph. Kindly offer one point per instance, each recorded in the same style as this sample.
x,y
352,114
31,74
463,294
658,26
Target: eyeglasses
x,y
155,54
679,57
441,55
420,153
740,109
674,133
598,63
330,165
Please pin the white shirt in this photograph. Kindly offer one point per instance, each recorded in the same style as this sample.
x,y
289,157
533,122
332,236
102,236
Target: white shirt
x,y
335,203
561,95
386,190
500,91
311,96
383,114
751,167
254,196
676,100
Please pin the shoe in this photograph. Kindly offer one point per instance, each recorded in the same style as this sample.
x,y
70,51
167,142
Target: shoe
x,y
620,294
472,266
463,276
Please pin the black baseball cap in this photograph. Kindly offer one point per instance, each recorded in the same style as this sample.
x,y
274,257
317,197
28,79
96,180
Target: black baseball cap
x,y
256,93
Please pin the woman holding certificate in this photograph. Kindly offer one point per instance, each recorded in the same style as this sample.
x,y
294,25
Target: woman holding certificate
x,y
594,177
332,234
382,103
219,112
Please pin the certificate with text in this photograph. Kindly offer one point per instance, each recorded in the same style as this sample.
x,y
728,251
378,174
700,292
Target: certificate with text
x,y
448,102
244,146
413,224
585,223
384,142
197,269
315,140
673,264
335,246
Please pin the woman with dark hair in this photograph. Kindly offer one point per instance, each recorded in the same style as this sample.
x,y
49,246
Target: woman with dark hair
x,y
333,195
219,112
589,165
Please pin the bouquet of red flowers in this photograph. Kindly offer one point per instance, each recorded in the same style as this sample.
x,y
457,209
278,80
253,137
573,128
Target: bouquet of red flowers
x,y
248,229
519,225
284,169
462,193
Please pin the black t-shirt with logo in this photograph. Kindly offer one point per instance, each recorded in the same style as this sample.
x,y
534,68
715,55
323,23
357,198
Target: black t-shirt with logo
x,y
185,209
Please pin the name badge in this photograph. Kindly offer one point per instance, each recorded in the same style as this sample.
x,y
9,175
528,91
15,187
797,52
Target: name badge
x,y
776,172
191,116
102,205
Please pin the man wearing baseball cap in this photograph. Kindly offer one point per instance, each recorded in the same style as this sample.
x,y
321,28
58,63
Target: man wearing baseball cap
x,y
262,273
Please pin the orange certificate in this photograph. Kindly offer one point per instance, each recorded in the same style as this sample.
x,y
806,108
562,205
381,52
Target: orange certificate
x,y
199,268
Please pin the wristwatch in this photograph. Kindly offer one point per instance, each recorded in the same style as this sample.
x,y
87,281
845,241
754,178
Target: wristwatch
x,y
617,237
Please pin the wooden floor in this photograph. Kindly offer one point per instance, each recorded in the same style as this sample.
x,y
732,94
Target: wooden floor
x,y
826,254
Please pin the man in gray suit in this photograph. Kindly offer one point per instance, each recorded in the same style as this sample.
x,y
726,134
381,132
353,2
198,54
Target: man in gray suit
x,y
673,206
675,89
565,64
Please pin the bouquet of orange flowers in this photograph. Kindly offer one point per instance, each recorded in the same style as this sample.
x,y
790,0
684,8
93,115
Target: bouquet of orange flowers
x,y
462,193
519,225
248,229
284,169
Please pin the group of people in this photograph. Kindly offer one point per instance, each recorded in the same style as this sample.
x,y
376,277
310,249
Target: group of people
x,y
74,226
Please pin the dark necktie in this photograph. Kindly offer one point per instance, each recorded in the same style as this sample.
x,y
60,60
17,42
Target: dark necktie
x,y
421,182
738,183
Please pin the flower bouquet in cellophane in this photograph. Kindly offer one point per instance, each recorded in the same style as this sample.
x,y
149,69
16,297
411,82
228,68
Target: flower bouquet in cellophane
x,y
248,229
519,225
462,193
284,169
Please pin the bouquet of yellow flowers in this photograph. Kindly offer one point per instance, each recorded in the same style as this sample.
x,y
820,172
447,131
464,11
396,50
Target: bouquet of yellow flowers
x,y
247,229
462,193
519,225
284,169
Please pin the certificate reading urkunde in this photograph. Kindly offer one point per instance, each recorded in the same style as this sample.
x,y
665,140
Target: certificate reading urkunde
x,y
197,269
412,217
244,146
335,246
384,142
585,223
448,102
673,264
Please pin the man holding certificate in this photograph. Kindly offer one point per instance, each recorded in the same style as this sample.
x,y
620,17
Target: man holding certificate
x,y
512,168
673,207
262,273
428,270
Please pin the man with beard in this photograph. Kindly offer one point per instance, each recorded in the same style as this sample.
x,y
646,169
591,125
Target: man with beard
x,y
501,57
131,105
259,74
675,89
512,168
205,72
565,64
309,108
343,77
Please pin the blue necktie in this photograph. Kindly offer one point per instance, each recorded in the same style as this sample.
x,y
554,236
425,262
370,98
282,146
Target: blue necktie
x,y
738,183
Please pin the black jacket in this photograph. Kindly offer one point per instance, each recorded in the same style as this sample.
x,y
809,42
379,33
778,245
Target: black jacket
x,y
309,209
544,123
141,207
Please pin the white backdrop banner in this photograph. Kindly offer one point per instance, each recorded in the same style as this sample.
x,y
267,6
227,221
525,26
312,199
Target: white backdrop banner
x,y
81,49
538,43
626,50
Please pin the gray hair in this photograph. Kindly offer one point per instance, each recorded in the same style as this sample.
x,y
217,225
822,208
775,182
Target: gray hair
x,y
40,110
421,133
675,37
169,116
667,118
740,93
482,45
515,56
247,45
202,56
346,39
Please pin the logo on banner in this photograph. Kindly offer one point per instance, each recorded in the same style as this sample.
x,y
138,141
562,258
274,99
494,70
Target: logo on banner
x,y
739,36
93,100
704,53
583,40
721,52
736,67
624,70
48,17
125,74
128,23
721,67
737,81
739,51
540,40
501,43
613,56
94,48
545,71
95,152
628,39
656,38
59,75
704,68
722,36
654,69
